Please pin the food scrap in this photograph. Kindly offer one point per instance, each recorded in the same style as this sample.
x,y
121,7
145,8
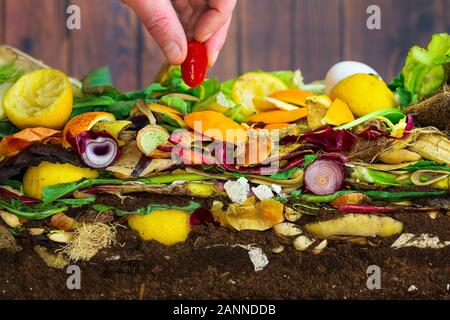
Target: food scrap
x,y
340,160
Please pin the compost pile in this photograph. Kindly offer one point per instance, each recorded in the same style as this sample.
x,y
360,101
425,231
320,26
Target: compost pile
x,y
89,173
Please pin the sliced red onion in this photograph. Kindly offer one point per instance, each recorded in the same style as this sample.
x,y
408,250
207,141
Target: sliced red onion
x,y
165,148
324,176
97,149
409,125
202,216
23,199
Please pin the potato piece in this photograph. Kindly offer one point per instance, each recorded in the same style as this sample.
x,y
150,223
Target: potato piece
x,y
364,225
317,107
201,190
398,156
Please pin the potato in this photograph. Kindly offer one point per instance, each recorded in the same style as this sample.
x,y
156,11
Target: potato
x,y
364,225
398,156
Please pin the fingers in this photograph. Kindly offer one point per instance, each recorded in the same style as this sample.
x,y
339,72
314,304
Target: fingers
x,y
216,15
216,42
161,21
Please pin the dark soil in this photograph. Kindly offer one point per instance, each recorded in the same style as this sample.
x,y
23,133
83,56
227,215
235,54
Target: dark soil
x,y
207,267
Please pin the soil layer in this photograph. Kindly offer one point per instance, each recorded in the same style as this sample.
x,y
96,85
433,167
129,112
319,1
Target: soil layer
x,y
208,266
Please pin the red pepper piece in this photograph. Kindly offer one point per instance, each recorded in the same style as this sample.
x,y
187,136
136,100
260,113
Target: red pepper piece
x,y
359,208
195,66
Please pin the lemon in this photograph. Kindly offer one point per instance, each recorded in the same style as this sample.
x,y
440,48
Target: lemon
x,y
165,226
254,85
36,179
41,98
364,94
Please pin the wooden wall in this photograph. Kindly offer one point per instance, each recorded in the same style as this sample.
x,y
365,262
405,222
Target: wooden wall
x,y
265,34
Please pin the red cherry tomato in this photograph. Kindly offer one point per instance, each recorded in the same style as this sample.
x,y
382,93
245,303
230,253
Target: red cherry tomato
x,y
195,66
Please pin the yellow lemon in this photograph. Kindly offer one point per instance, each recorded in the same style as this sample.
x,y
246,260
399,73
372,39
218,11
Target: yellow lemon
x,y
36,179
165,226
255,85
41,98
364,93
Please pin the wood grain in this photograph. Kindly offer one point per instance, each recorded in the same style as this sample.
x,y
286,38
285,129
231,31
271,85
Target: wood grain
x,y
227,64
108,37
265,28
264,34
2,21
404,24
39,28
317,36
150,56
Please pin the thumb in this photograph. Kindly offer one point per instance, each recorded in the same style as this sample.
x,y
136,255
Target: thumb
x,y
161,21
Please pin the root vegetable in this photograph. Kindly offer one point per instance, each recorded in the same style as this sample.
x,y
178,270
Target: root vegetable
x,y
287,229
36,231
10,219
398,156
356,225
57,261
320,247
278,249
302,243
61,236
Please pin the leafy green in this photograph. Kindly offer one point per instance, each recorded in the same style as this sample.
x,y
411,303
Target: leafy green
x,y
99,81
7,128
77,202
285,175
207,89
227,86
10,72
322,199
293,79
99,94
372,194
424,69
52,193
15,184
427,165
36,212
373,176
175,103
309,158
401,196
296,193
148,209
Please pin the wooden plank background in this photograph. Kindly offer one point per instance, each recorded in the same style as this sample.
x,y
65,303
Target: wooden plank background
x,y
265,34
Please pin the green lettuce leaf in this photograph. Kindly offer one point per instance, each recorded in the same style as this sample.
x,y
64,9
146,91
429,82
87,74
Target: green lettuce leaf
x,y
424,70
148,209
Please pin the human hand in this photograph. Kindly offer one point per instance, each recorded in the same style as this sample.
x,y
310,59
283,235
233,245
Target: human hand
x,y
171,22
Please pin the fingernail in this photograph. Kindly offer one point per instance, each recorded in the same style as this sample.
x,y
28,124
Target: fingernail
x,y
172,51
205,37
214,59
